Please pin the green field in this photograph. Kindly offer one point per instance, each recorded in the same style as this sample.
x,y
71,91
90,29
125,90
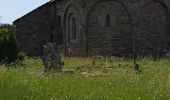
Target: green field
x,y
113,79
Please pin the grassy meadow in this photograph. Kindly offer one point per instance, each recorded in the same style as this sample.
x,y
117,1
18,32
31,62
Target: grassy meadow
x,y
109,79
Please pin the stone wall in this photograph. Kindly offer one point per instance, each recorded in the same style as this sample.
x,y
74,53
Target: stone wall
x,y
145,22
32,31
114,39
152,29
69,9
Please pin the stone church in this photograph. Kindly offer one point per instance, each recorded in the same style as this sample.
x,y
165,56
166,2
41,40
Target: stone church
x,y
97,27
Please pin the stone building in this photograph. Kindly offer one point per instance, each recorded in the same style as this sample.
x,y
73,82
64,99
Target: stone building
x,y
97,27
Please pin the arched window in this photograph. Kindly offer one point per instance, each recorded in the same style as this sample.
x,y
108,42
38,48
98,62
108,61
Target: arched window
x,y
108,21
74,28
69,27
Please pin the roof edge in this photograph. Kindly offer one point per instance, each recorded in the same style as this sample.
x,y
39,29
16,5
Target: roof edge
x,y
46,4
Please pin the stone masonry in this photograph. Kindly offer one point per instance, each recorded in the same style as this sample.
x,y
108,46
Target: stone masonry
x,y
98,27
52,58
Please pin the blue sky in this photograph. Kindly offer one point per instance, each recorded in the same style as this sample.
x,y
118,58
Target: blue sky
x,y
11,10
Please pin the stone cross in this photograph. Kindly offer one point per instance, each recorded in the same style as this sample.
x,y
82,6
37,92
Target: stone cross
x,y
52,58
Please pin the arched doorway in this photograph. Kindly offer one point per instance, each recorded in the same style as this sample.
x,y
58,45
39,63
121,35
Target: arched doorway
x,y
152,37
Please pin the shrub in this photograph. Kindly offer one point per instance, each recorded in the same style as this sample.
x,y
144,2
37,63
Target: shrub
x,y
9,48
21,56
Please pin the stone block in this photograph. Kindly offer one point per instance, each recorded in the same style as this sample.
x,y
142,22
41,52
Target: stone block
x,y
51,57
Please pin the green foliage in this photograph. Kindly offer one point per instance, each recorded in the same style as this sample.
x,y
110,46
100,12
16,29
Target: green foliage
x,y
21,56
8,46
99,82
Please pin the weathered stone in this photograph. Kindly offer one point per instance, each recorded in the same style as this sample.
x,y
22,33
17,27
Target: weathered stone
x,y
145,22
68,71
52,58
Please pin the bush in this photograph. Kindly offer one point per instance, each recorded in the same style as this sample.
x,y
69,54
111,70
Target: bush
x,y
9,48
21,56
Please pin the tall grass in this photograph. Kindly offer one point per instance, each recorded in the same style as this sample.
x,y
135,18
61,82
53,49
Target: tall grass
x,y
113,79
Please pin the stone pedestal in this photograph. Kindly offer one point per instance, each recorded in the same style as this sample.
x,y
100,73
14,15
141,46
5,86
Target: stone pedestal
x,y
52,58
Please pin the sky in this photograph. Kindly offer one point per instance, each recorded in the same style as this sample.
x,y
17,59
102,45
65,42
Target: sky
x,y
10,10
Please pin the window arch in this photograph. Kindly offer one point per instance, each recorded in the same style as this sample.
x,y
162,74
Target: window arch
x,y
107,20
73,28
